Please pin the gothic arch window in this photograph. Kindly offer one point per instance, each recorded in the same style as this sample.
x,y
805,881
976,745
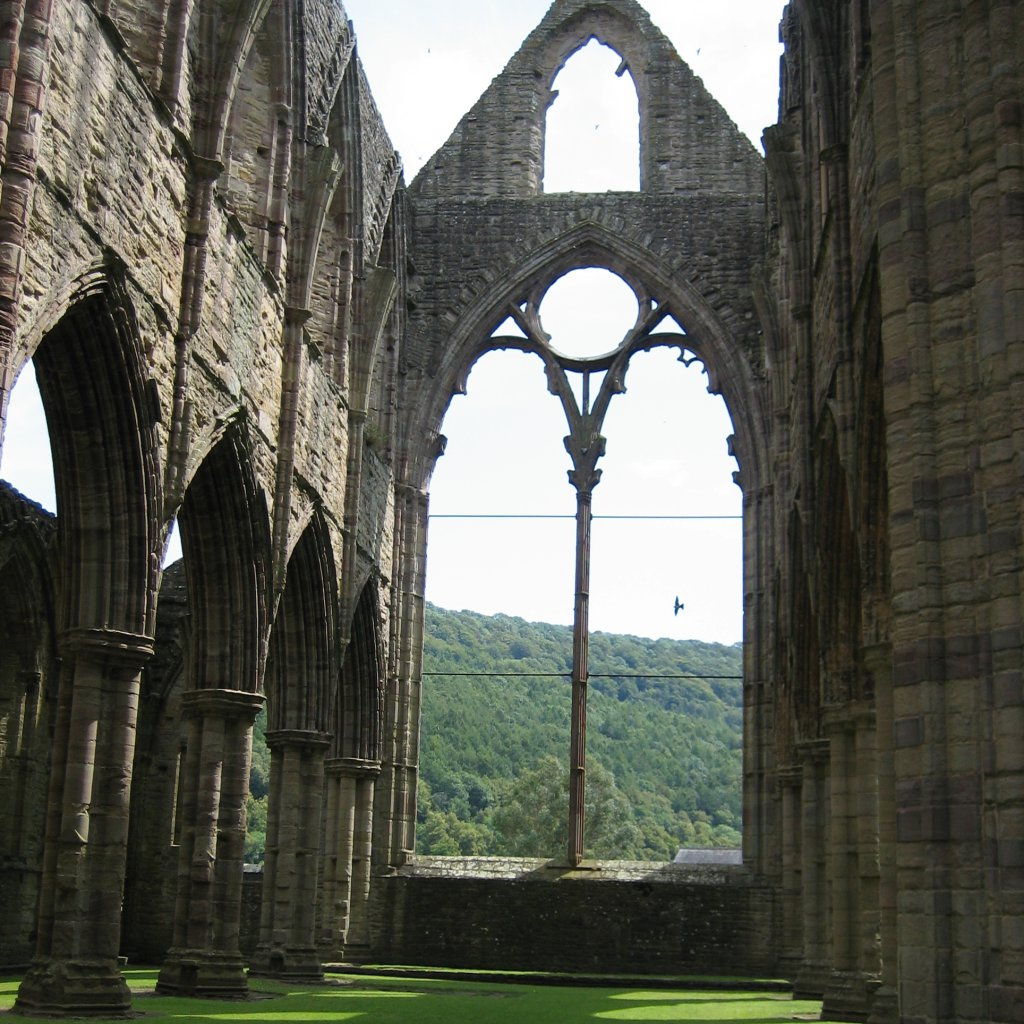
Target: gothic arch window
x,y
594,330
592,133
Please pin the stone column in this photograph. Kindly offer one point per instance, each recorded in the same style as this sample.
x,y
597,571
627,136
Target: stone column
x,y
287,946
345,891
204,958
395,818
76,969
790,782
358,939
885,1009
814,971
852,861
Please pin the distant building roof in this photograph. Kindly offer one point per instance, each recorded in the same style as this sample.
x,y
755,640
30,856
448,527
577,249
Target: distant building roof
x,y
709,857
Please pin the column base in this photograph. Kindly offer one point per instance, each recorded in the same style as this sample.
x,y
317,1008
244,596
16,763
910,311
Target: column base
x,y
288,963
357,953
849,995
74,988
199,972
812,979
885,1007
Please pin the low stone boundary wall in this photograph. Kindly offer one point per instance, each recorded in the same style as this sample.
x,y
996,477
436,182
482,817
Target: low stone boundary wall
x,y
626,918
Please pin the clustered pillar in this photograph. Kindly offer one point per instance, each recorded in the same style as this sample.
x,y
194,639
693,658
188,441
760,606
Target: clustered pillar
x,y
348,843
76,966
287,947
204,958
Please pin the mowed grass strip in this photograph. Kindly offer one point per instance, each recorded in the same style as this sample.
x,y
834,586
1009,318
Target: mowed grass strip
x,y
423,1001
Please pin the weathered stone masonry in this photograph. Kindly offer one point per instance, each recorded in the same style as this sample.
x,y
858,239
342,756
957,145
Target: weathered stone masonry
x,y
242,320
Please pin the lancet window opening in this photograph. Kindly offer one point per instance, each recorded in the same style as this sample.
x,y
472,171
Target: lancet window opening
x,y
592,129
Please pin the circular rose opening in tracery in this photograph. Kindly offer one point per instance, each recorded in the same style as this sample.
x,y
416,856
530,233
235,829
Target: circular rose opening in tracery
x,y
588,312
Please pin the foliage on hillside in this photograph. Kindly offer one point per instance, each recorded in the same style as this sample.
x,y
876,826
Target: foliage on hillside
x,y
668,749
664,753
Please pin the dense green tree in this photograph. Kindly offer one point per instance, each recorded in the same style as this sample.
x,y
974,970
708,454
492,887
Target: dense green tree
x,y
665,726
255,829
672,744
531,817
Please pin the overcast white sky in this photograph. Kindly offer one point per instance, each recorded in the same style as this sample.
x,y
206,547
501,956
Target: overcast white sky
x,y
427,62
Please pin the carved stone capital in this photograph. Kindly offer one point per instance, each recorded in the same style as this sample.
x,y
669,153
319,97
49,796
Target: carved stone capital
x,y
107,646
352,768
301,739
225,703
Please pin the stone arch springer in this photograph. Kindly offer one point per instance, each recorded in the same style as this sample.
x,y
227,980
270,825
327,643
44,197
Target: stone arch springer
x,y
732,374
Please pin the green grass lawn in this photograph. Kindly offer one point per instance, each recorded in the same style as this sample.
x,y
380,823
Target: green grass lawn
x,y
423,1001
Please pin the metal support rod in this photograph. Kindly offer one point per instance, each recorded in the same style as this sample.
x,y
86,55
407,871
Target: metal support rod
x,y
580,671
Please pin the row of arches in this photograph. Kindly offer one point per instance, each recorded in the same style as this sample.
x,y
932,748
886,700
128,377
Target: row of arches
x,y
88,667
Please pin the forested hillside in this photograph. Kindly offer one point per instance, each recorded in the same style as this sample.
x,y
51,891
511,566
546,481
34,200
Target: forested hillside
x,y
664,752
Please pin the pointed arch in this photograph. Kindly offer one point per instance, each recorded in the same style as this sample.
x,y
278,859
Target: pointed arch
x,y
94,384
359,710
226,543
838,570
301,663
221,34
591,244
258,135
592,127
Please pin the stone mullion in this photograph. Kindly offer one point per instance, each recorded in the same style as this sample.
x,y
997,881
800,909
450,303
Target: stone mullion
x,y
76,966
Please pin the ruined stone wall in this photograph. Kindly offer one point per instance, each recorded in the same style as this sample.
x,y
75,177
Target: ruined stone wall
x,y
894,167
623,918
688,143
173,185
